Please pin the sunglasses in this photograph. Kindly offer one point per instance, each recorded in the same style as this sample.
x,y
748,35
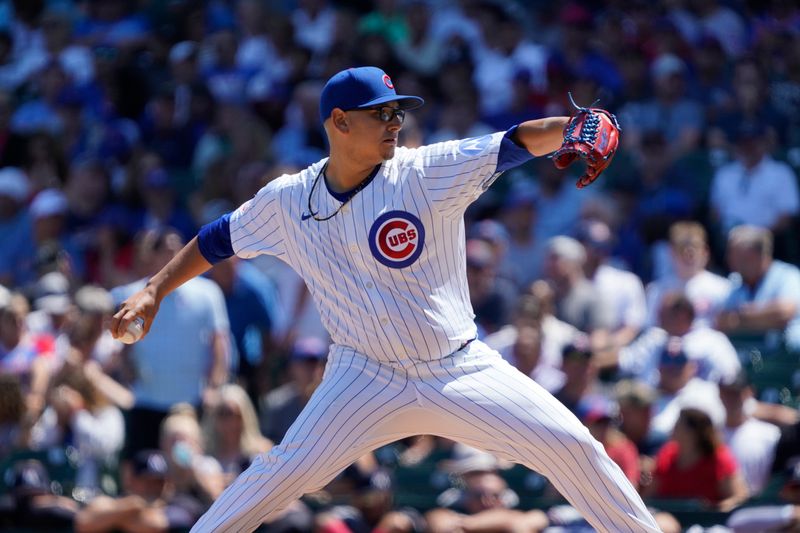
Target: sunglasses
x,y
386,113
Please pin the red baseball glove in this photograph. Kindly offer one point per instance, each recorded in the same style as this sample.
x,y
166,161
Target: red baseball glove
x,y
593,134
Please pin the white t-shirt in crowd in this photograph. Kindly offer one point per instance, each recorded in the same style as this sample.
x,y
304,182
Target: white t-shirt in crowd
x,y
753,445
625,294
707,292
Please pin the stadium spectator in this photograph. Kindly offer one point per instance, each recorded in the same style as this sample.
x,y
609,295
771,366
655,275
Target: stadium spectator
x,y
760,518
14,425
146,503
523,258
689,254
251,302
601,415
195,366
712,352
577,301
483,502
694,464
559,204
31,502
231,431
79,415
24,354
280,407
54,310
525,344
301,140
15,228
751,441
580,373
765,299
756,189
492,296
372,509
192,472
636,400
621,289
678,387
671,111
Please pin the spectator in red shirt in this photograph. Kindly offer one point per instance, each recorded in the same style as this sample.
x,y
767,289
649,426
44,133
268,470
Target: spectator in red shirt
x,y
601,416
694,464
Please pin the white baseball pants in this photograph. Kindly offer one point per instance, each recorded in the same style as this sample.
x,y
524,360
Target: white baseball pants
x,y
472,396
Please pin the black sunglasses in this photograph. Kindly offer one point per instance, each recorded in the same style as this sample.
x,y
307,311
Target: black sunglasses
x,y
385,113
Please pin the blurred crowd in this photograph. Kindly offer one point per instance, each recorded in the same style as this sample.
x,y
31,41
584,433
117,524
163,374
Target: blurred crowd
x,y
661,305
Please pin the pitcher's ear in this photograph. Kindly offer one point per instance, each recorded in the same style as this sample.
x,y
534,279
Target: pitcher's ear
x,y
340,121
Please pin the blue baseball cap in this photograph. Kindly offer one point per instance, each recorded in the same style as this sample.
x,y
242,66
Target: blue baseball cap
x,y
673,354
358,88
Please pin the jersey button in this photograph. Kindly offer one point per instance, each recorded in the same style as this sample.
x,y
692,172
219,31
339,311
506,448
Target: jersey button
x,y
369,285
385,321
345,210
353,248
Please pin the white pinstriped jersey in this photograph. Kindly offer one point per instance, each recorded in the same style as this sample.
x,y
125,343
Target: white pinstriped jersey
x,y
388,271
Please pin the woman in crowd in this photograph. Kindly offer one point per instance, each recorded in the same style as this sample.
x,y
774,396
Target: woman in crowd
x,y
231,431
192,471
694,464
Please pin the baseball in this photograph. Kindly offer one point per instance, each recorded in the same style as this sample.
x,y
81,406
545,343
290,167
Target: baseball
x,y
134,332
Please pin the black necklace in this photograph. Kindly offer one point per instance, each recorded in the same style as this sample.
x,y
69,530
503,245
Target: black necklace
x,y
359,187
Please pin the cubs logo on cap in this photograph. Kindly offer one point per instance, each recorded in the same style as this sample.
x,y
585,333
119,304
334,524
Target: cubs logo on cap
x,y
388,81
396,239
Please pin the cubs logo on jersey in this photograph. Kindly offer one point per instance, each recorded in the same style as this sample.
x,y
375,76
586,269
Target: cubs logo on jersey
x,y
396,239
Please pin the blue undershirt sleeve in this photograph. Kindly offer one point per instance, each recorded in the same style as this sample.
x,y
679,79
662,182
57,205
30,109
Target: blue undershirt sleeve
x,y
511,154
214,240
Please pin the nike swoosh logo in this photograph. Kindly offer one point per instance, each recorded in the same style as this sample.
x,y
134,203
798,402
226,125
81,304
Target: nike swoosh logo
x,y
305,216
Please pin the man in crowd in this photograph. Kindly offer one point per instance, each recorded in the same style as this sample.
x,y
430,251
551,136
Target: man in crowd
x,y
164,372
766,292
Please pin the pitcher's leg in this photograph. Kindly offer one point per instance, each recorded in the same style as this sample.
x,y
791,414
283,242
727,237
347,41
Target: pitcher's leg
x,y
490,405
358,407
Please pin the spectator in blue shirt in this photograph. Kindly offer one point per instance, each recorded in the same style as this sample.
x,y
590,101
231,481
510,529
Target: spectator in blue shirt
x,y
766,293
251,300
164,371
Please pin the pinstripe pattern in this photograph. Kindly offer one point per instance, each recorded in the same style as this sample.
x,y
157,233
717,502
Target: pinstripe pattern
x,y
473,397
396,319
420,312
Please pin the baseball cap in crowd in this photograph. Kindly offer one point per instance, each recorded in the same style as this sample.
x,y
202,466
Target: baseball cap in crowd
x,y
51,293
48,202
490,231
309,348
595,408
182,51
567,248
673,354
578,348
666,65
595,234
479,254
94,299
149,463
634,392
14,184
27,478
359,88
